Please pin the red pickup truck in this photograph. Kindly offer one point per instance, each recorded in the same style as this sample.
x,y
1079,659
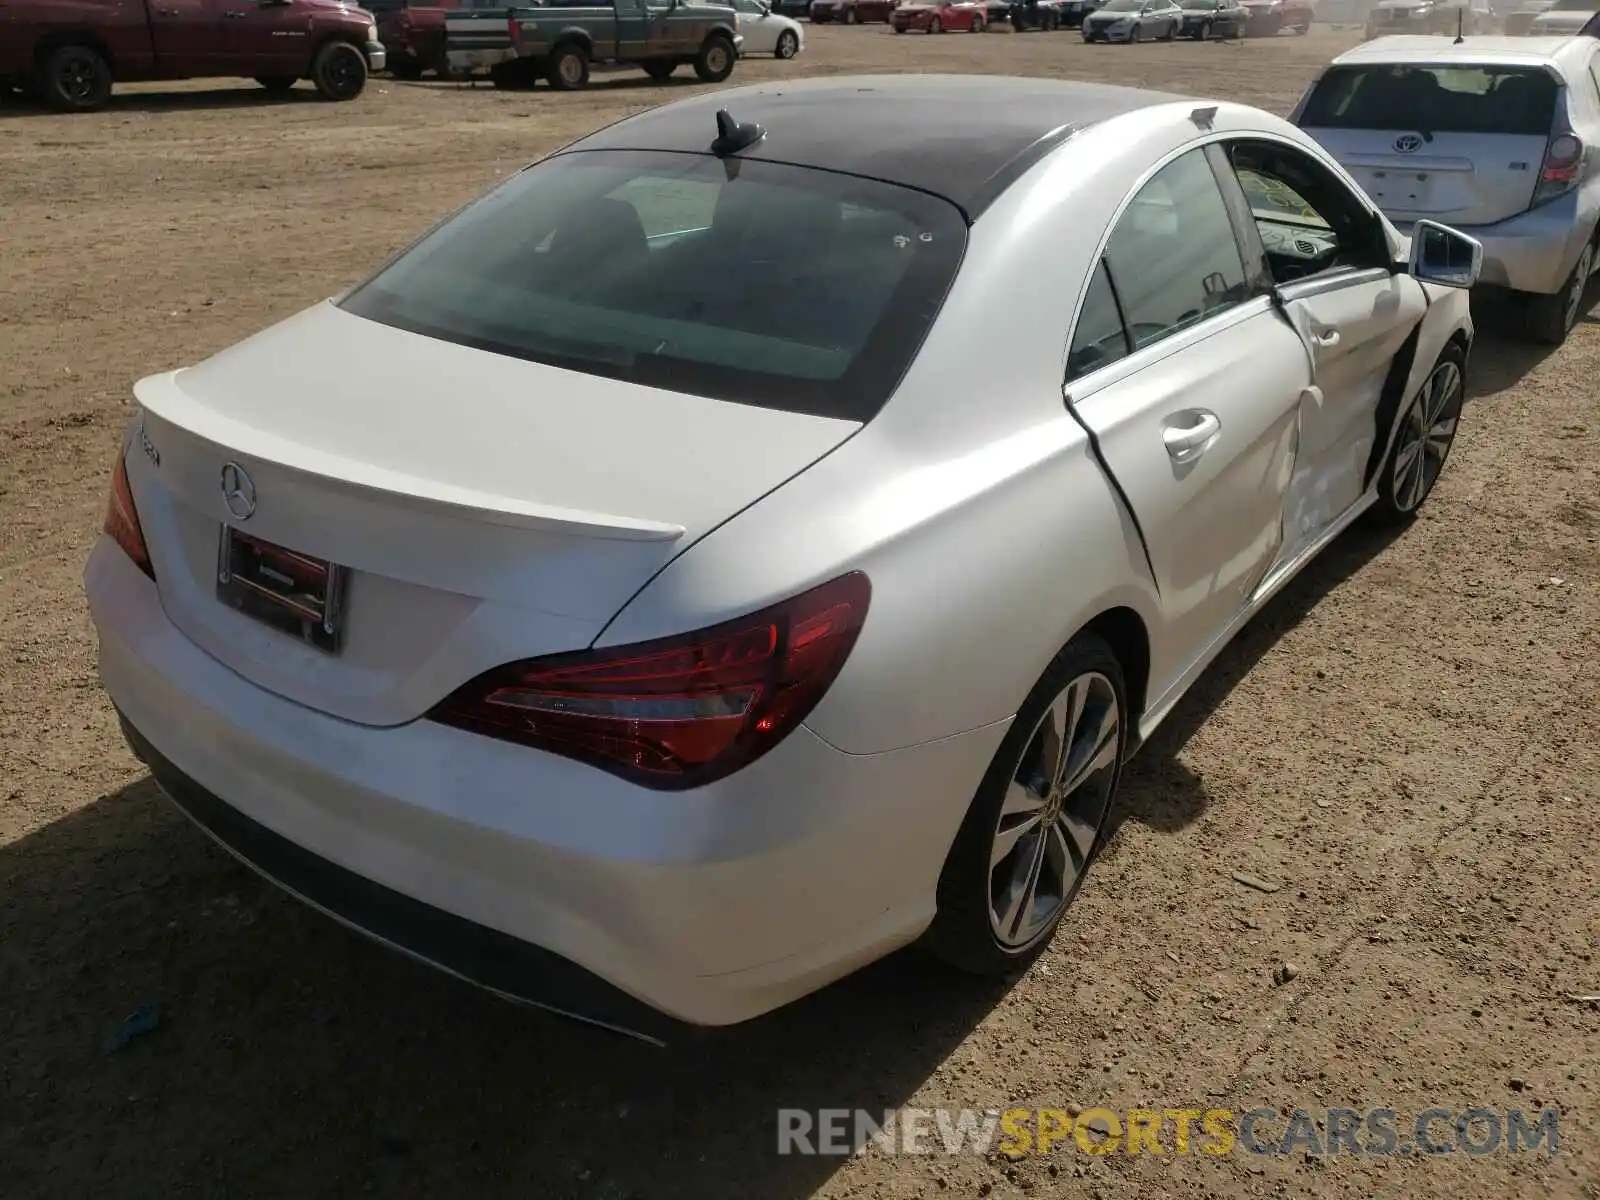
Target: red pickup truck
x,y
68,52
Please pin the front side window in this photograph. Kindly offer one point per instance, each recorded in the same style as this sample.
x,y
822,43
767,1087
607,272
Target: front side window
x,y
773,285
1308,220
1173,256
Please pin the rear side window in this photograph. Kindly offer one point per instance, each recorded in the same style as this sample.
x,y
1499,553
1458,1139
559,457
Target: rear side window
x,y
1434,99
755,282
1173,256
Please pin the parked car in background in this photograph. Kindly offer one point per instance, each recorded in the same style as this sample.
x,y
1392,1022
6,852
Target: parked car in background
x,y
1214,18
733,752
1495,135
413,36
942,16
1074,11
1519,20
1026,15
764,31
560,42
70,54
1440,17
1270,17
792,8
1133,21
853,12
1564,18
997,11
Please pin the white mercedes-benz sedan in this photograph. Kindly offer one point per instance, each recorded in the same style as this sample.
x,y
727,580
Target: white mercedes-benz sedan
x,y
729,550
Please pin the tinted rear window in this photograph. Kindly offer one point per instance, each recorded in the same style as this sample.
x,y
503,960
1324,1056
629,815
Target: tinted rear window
x,y
1453,99
749,281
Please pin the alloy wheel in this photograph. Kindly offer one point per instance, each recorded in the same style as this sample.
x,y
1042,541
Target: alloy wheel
x,y
1426,435
1053,810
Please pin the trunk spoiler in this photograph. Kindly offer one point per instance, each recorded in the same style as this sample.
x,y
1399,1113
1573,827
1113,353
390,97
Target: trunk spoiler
x,y
161,396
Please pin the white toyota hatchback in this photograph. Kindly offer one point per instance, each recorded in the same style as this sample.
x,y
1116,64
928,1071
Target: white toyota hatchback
x,y
729,551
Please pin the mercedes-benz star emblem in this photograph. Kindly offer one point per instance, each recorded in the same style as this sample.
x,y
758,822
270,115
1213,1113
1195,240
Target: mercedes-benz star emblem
x,y
1408,143
238,491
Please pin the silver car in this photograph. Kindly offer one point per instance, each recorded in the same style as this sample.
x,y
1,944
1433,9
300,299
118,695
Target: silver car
x,y
1563,18
1494,135
658,644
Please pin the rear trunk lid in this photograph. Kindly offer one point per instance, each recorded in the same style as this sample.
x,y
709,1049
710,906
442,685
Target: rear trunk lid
x,y
485,508
1472,155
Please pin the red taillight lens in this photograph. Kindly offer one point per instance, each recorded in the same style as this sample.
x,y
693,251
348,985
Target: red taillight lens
x,y
122,519
1563,163
678,712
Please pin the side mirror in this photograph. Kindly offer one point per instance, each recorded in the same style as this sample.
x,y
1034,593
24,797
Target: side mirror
x,y
1444,256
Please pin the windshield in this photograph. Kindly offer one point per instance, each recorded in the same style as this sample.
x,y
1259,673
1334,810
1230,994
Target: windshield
x,y
1122,6
1453,99
752,281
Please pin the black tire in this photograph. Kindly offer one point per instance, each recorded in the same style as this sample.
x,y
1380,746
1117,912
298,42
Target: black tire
x,y
963,931
339,71
788,45
513,76
277,84
1551,318
410,70
977,25
1403,490
75,79
660,69
568,68
715,61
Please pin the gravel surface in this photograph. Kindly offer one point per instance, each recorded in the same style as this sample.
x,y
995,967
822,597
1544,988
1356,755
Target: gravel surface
x,y
1405,742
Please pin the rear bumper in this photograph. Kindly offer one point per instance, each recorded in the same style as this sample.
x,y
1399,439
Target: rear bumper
x,y
533,875
377,56
1536,250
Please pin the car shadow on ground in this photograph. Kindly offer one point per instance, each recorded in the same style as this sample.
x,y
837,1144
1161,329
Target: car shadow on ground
x,y
239,95
293,1057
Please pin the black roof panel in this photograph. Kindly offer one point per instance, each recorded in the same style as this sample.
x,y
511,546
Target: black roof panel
x,y
963,137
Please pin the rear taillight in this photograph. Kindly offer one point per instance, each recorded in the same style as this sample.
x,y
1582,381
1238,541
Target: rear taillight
x,y
680,711
514,29
122,519
1562,166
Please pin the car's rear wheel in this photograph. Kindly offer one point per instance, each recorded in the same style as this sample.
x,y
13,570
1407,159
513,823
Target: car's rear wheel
x,y
569,68
1037,819
1427,431
715,61
76,79
977,24
1551,318
339,71
788,44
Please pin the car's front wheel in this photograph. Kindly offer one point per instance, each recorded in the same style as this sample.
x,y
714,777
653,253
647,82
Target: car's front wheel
x,y
977,24
339,71
1037,819
568,70
715,61
788,44
1427,431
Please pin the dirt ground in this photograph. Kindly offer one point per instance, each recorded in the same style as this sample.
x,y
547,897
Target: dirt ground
x,y
1406,739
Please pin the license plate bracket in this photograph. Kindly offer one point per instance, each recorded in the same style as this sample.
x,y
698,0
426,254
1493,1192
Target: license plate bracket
x,y
291,592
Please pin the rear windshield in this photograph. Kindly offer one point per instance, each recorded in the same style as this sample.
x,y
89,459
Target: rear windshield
x,y
1452,99
750,281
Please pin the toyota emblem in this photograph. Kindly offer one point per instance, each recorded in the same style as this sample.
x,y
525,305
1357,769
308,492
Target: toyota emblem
x,y
1408,143
238,491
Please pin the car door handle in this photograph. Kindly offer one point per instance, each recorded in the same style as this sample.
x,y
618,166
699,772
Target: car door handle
x,y
1188,435
1325,337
